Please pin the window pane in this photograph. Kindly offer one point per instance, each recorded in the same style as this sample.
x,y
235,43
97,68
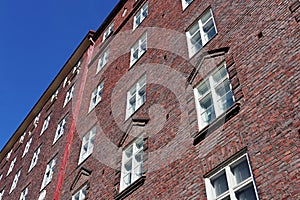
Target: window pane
x,y
205,17
241,172
219,75
220,185
246,194
203,88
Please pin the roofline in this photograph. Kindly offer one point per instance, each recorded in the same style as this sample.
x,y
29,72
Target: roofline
x,y
77,54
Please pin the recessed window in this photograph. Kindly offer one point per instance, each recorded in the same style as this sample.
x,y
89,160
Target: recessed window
x,y
46,124
15,181
69,95
213,96
140,16
87,144
81,194
185,3
136,96
132,163
138,49
103,60
48,173
34,159
201,32
234,181
60,129
42,195
108,31
27,147
24,194
12,164
96,96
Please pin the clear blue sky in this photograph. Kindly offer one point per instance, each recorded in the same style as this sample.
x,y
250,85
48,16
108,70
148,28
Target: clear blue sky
x,y
36,39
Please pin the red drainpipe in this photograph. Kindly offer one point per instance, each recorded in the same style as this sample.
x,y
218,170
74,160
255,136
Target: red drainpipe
x,y
68,147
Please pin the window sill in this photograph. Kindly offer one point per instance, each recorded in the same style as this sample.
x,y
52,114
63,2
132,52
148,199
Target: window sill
x,y
131,188
219,121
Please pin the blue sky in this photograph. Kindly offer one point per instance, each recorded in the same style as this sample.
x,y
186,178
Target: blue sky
x,y
36,39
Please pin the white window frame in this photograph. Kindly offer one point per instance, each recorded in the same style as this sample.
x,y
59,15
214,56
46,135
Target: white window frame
x,y
138,49
24,194
8,155
198,29
140,16
46,124
11,166
34,159
103,60
2,194
48,173
15,181
1,176
26,149
76,68
42,195
54,96
136,96
96,96
87,144
60,129
69,95
80,194
36,120
186,3
22,138
232,184
217,107
132,163
108,31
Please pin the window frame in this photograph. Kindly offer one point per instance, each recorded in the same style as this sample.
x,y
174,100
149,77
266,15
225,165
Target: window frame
x,y
27,146
185,4
15,181
42,195
80,192
2,193
46,124
69,95
49,169
139,14
24,193
95,95
11,166
108,31
204,37
138,46
233,187
103,60
61,126
90,142
35,158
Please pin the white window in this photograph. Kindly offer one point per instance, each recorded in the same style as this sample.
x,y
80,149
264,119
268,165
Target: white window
x,y
108,31
22,138
48,173
103,60
54,96
1,176
76,68
213,96
87,144
201,32
140,16
24,194
27,147
60,129
12,164
15,181
2,194
185,3
36,120
132,163
8,155
34,159
69,95
96,96
81,194
136,96
46,124
234,181
42,195
138,49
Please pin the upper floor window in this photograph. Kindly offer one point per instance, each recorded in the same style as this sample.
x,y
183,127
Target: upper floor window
x,y
46,124
22,138
138,49
54,96
8,154
15,181
213,96
140,16
60,129
24,194
132,163
185,3
27,147
108,31
2,194
69,95
87,144
96,96
103,60
12,164
34,159
136,96
81,194
42,195
48,173
201,32
234,181
36,120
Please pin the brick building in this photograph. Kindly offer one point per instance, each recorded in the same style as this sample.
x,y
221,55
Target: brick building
x,y
184,99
